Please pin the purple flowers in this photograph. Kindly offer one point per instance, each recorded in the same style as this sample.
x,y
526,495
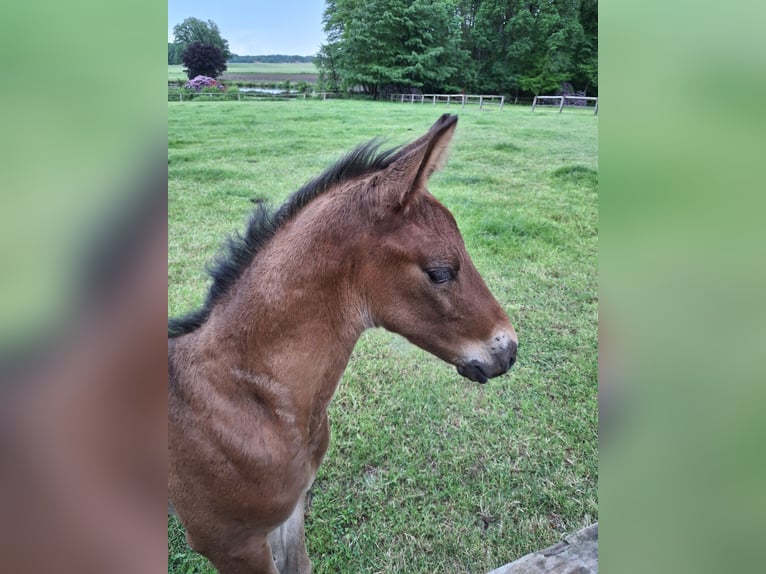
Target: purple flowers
x,y
200,82
568,90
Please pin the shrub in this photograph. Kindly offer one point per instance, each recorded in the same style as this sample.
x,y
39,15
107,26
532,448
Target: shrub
x,y
205,83
568,90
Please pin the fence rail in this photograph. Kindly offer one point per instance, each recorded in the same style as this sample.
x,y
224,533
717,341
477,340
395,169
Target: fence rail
x,y
563,100
461,99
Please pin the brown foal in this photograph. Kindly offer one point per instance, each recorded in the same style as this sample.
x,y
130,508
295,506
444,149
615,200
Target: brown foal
x,y
252,373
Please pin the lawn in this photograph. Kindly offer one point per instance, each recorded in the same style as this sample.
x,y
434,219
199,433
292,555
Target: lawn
x,y
426,471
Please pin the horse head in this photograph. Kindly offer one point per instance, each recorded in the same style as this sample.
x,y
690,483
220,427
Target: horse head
x,y
419,279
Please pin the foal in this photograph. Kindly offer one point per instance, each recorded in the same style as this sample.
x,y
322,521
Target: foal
x,y
252,373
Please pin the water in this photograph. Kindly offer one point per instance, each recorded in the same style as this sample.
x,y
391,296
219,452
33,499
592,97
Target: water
x,y
266,91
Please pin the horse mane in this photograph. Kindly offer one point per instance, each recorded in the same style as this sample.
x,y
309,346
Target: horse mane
x,y
239,250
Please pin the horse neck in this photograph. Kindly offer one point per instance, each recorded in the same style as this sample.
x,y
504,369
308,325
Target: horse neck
x,y
297,312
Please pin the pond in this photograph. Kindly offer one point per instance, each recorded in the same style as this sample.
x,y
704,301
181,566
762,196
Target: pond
x,y
267,91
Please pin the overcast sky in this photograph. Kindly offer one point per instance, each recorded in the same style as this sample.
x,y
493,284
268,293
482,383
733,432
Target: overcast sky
x,y
258,27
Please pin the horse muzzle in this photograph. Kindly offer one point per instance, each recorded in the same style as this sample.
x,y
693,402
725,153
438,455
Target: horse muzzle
x,y
496,362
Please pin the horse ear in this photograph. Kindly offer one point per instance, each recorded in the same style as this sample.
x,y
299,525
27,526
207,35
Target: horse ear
x,y
416,163
436,150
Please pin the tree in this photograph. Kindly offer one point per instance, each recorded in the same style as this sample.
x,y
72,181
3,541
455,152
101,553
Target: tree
x,y
203,60
491,46
500,43
327,63
555,34
522,45
405,43
174,54
193,30
587,54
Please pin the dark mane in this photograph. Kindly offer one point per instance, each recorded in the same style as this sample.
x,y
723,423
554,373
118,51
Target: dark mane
x,y
239,250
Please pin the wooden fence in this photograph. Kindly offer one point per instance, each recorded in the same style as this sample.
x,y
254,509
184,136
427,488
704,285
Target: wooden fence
x,y
563,100
461,99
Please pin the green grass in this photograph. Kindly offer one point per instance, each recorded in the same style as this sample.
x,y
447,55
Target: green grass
x,y
427,472
175,72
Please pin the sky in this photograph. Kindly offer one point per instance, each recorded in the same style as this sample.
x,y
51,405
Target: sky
x,y
258,27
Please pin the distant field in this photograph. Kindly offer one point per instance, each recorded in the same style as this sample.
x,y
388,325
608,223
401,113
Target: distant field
x,y
258,71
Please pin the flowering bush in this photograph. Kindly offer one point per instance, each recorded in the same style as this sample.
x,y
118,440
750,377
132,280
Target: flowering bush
x,y
199,83
568,90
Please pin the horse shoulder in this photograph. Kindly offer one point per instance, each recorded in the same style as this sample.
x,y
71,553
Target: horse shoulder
x,y
243,457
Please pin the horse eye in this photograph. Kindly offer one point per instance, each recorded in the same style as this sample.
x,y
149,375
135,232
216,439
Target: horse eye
x,y
440,274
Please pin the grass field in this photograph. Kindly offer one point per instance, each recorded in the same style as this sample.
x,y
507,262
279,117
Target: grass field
x,y
176,72
426,471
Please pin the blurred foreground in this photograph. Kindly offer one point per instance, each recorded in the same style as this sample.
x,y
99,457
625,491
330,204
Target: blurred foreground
x,y
83,288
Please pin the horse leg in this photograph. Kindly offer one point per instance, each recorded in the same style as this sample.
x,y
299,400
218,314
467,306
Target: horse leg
x,y
288,544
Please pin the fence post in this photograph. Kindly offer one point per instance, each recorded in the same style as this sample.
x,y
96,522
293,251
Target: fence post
x,y
481,102
595,111
502,101
534,103
563,99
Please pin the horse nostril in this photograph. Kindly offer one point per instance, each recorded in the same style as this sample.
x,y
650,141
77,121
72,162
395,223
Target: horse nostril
x,y
512,353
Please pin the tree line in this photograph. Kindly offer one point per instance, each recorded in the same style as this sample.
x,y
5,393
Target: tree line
x,y
510,47
271,59
175,51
